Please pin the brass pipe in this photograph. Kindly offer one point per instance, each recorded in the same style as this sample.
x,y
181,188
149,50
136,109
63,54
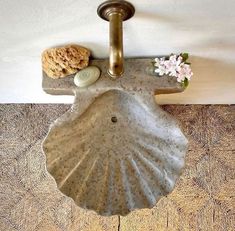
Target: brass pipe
x,y
116,45
116,11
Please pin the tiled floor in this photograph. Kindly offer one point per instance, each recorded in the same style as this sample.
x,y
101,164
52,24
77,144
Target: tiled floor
x,y
203,199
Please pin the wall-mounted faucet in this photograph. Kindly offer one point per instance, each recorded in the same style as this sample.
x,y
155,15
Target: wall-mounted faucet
x,y
116,11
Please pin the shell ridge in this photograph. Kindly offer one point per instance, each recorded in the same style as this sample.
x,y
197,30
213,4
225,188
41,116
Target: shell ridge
x,y
66,141
160,177
126,185
167,142
71,172
160,155
49,165
84,183
110,192
105,188
147,193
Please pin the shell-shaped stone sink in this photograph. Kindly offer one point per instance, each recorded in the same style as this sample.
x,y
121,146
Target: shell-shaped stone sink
x,y
116,151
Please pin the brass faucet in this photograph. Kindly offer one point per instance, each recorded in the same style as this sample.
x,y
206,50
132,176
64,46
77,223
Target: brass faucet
x,y
116,11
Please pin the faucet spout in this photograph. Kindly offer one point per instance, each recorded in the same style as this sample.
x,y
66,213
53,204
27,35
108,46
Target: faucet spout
x,y
116,45
116,11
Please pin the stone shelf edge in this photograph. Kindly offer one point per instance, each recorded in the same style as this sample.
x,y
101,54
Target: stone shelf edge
x,y
136,78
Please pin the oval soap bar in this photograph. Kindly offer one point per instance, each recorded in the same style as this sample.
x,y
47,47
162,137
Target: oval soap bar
x,y
87,76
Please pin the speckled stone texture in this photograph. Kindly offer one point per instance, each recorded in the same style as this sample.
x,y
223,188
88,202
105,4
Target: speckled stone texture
x,y
116,155
137,78
115,150
203,198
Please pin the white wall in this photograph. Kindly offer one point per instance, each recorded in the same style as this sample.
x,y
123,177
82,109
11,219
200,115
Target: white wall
x,y
204,28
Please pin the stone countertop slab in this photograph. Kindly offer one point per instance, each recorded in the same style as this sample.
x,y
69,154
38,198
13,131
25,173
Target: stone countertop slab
x,y
137,77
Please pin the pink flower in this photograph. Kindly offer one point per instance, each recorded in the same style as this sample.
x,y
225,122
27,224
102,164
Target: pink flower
x,y
184,71
161,70
174,67
159,62
174,63
161,67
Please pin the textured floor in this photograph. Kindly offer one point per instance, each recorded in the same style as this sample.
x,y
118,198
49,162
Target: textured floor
x,y
202,200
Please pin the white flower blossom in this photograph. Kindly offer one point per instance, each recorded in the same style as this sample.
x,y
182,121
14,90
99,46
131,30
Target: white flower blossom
x,y
184,71
161,67
157,62
161,70
174,63
173,58
173,67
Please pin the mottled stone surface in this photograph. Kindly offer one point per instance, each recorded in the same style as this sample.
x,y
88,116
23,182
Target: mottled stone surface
x,y
203,198
120,153
137,78
116,151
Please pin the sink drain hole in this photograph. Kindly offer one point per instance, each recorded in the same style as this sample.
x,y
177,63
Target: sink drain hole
x,y
114,119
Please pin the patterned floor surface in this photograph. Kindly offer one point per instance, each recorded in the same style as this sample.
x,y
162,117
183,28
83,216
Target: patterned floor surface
x,y
203,199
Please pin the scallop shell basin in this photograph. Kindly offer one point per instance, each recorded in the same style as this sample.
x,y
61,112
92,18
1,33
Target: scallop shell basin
x,y
116,155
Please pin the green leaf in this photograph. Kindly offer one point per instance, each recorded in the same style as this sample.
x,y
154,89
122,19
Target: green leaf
x,y
185,83
184,56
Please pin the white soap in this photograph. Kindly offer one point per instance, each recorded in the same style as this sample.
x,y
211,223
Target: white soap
x,y
87,76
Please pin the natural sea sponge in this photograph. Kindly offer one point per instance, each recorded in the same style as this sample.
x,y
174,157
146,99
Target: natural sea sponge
x,y
60,62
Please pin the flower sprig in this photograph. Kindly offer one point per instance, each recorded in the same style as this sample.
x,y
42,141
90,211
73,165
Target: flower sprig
x,y
174,65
